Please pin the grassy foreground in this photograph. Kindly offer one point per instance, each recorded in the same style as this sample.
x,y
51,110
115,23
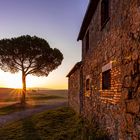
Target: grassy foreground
x,y
58,124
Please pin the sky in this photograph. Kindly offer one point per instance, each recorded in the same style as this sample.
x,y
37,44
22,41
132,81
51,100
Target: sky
x,y
57,21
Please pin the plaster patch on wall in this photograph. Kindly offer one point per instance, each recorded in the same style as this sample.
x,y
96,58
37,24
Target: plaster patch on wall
x,y
107,67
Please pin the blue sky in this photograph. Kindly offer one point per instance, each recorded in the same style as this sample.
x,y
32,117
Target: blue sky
x,y
57,21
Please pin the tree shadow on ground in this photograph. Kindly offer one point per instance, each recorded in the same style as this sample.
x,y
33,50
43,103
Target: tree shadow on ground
x,y
29,131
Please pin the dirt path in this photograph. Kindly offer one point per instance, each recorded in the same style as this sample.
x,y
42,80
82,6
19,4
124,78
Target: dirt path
x,y
29,112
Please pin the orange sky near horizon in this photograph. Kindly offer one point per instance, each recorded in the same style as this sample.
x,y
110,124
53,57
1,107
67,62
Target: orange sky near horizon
x,y
9,80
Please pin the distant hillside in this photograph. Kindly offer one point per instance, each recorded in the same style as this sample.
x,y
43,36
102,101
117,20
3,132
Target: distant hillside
x,y
5,90
6,93
37,88
53,92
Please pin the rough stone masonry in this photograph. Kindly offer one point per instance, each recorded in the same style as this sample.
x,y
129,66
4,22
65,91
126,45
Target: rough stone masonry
x,y
113,56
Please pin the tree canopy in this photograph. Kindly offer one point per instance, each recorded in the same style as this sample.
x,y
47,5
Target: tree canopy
x,y
30,55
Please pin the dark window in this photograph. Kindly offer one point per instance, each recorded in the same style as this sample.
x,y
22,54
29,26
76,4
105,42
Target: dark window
x,y
138,2
87,84
104,12
106,79
87,41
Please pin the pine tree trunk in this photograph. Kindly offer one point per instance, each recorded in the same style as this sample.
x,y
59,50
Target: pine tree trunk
x,y
23,100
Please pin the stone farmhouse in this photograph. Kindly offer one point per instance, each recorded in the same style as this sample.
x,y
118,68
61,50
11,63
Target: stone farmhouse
x,y
105,86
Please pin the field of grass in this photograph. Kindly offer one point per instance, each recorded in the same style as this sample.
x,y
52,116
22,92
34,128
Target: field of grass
x,y
9,99
58,124
13,95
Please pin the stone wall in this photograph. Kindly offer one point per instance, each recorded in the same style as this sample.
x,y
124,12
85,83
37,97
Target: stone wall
x,y
118,44
74,90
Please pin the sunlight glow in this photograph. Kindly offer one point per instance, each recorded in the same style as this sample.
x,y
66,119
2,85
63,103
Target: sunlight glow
x,y
14,82
9,80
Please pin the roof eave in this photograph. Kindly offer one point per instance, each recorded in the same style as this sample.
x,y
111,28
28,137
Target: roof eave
x,y
87,19
76,66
